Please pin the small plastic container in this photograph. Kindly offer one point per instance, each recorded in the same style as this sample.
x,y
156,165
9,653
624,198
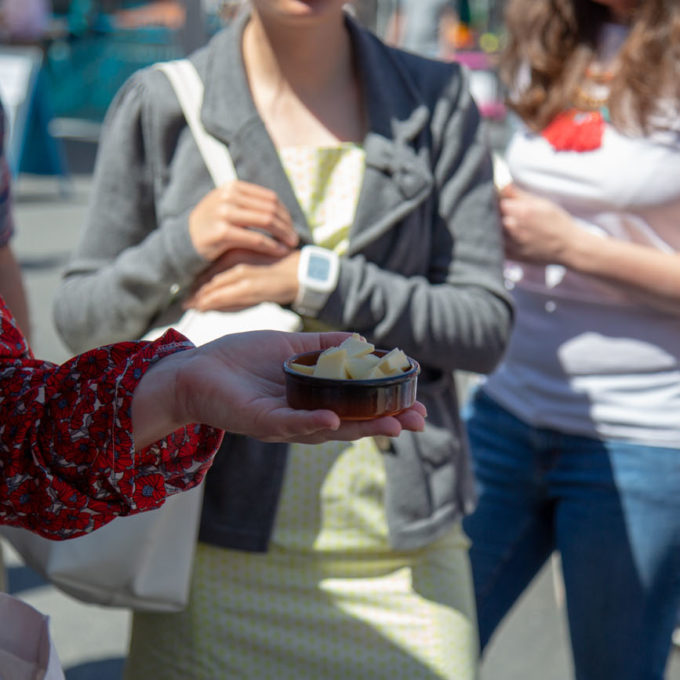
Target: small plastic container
x,y
351,399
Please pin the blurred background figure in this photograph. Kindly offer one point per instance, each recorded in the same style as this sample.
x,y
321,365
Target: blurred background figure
x,y
575,436
467,31
433,28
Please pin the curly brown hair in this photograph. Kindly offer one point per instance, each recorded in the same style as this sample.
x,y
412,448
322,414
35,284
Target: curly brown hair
x,y
557,40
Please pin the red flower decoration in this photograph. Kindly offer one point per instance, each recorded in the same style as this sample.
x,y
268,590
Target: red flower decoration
x,y
27,499
576,130
67,495
62,405
150,491
73,522
13,466
94,364
125,458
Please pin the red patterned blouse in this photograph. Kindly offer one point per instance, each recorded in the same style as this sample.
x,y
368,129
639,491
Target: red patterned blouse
x,y
67,459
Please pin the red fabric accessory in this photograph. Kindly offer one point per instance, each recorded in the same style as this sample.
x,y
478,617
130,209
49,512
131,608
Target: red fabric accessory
x,y
576,130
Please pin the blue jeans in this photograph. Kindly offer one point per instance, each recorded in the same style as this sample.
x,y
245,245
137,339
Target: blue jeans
x,y
611,508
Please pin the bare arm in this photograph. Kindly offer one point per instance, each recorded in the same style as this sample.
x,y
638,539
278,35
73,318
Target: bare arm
x,y
537,230
648,274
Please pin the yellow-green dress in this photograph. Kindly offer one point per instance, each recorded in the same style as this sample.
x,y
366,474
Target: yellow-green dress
x,y
330,599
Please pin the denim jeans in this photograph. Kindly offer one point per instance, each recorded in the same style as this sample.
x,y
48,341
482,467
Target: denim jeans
x,y
612,510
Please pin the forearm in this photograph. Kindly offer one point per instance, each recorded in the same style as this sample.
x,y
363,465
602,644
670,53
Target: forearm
x,y
647,274
156,410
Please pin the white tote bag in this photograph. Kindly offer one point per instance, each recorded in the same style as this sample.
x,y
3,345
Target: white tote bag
x,y
144,561
140,562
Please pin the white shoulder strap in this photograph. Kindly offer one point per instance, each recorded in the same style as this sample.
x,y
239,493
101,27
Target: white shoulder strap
x,y
189,90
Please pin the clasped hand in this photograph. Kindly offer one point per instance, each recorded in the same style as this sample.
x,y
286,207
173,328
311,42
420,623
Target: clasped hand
x,y
535,229
247,235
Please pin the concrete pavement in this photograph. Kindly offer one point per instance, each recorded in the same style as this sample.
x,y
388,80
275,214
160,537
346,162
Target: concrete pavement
x,y
91,641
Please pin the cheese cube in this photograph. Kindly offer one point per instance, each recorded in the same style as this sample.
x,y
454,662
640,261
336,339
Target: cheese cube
x,y
395,361
331,364
356,347
359,368
302,368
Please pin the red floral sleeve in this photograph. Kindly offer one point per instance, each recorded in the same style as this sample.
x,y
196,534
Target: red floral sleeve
x,y
67,458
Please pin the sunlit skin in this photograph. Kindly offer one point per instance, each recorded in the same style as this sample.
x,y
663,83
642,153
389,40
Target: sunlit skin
x,y
538,230
293,11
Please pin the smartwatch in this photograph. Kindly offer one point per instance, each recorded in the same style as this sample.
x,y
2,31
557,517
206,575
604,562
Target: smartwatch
x,y
318,272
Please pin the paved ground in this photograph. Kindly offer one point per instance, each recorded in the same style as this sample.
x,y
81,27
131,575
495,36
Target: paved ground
x,y
91,641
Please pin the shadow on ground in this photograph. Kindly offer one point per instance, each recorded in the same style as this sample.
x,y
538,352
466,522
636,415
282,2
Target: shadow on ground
x,y
96,670
22,578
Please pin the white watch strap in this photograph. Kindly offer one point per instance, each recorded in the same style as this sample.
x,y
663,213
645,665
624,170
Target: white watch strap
x,y
310,300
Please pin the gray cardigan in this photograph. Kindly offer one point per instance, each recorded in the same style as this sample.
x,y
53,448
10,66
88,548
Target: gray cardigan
x,y
423,271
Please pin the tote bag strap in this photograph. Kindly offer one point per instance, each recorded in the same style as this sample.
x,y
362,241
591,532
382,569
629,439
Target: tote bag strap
x,y
188,87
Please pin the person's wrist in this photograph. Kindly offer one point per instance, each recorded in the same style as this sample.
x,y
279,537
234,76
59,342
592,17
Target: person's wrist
x,y
580,244
160,403
290,266
181,372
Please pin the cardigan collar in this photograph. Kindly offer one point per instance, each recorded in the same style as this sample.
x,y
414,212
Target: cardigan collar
x,y
396,116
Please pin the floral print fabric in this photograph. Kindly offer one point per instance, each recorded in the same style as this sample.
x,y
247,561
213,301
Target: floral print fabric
x,y
67,458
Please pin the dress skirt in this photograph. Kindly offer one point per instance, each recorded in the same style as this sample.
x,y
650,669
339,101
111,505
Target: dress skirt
x,y
329,600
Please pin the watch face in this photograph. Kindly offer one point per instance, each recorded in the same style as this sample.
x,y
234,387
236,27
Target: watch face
x,y
319,268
